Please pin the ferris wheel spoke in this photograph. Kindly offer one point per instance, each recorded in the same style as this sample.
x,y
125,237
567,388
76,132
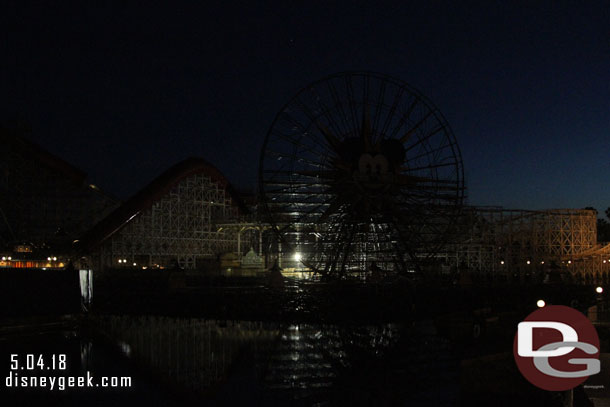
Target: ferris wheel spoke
x,y
408,134
428,153
351,102
292,188
378,107
339,105
305,175
428,167
392,111
334,206
423,139
327,114
366,133
301,216
404,118
328,137
295,142
425,180
435,188
281,156
422,199
304,131
346,253
366,164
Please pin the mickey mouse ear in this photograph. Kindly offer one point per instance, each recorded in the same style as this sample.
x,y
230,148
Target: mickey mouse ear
x,y
365,163
394,151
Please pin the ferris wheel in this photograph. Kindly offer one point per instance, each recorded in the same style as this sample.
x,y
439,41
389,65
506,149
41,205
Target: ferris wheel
x,y
360,170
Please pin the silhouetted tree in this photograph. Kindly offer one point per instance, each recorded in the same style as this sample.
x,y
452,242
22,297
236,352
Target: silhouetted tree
x,y
603,230
603,226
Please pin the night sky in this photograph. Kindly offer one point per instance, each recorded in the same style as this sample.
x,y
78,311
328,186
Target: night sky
x,y
124,92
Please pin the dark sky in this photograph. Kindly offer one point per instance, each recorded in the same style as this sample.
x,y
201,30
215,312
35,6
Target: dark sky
x,y
125,91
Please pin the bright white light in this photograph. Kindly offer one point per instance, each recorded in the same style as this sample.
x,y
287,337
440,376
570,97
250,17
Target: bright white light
x,y
54,258
604,261
528,262
10,258
120,261
125,348
540,303
599,290
134,264
48,259
542,262
502,262
297,256
3,258
569,261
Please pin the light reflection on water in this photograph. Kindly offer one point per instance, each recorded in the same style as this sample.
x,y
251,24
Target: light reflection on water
x,y
192,354
306,364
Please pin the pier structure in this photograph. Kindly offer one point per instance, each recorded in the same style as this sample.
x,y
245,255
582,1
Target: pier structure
x,y
497,241
170,223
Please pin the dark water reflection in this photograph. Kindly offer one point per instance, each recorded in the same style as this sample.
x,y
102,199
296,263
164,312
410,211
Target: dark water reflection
x,y
191,355
308,364
196,361
83,354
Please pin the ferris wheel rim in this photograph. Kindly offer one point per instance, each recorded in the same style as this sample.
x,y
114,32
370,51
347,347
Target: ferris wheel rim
x,y
399,84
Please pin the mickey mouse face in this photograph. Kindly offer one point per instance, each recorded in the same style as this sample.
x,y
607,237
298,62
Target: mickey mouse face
x,y
373,165
373,171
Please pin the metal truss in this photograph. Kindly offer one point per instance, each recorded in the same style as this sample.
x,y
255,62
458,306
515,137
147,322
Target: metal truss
x,y
496,240
248,232
590,266
179,227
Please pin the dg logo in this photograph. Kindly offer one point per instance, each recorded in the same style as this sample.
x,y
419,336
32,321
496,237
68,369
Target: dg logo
x,y
556,348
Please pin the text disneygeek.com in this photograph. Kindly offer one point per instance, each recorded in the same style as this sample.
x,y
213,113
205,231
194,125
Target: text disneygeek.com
x,y
22,368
